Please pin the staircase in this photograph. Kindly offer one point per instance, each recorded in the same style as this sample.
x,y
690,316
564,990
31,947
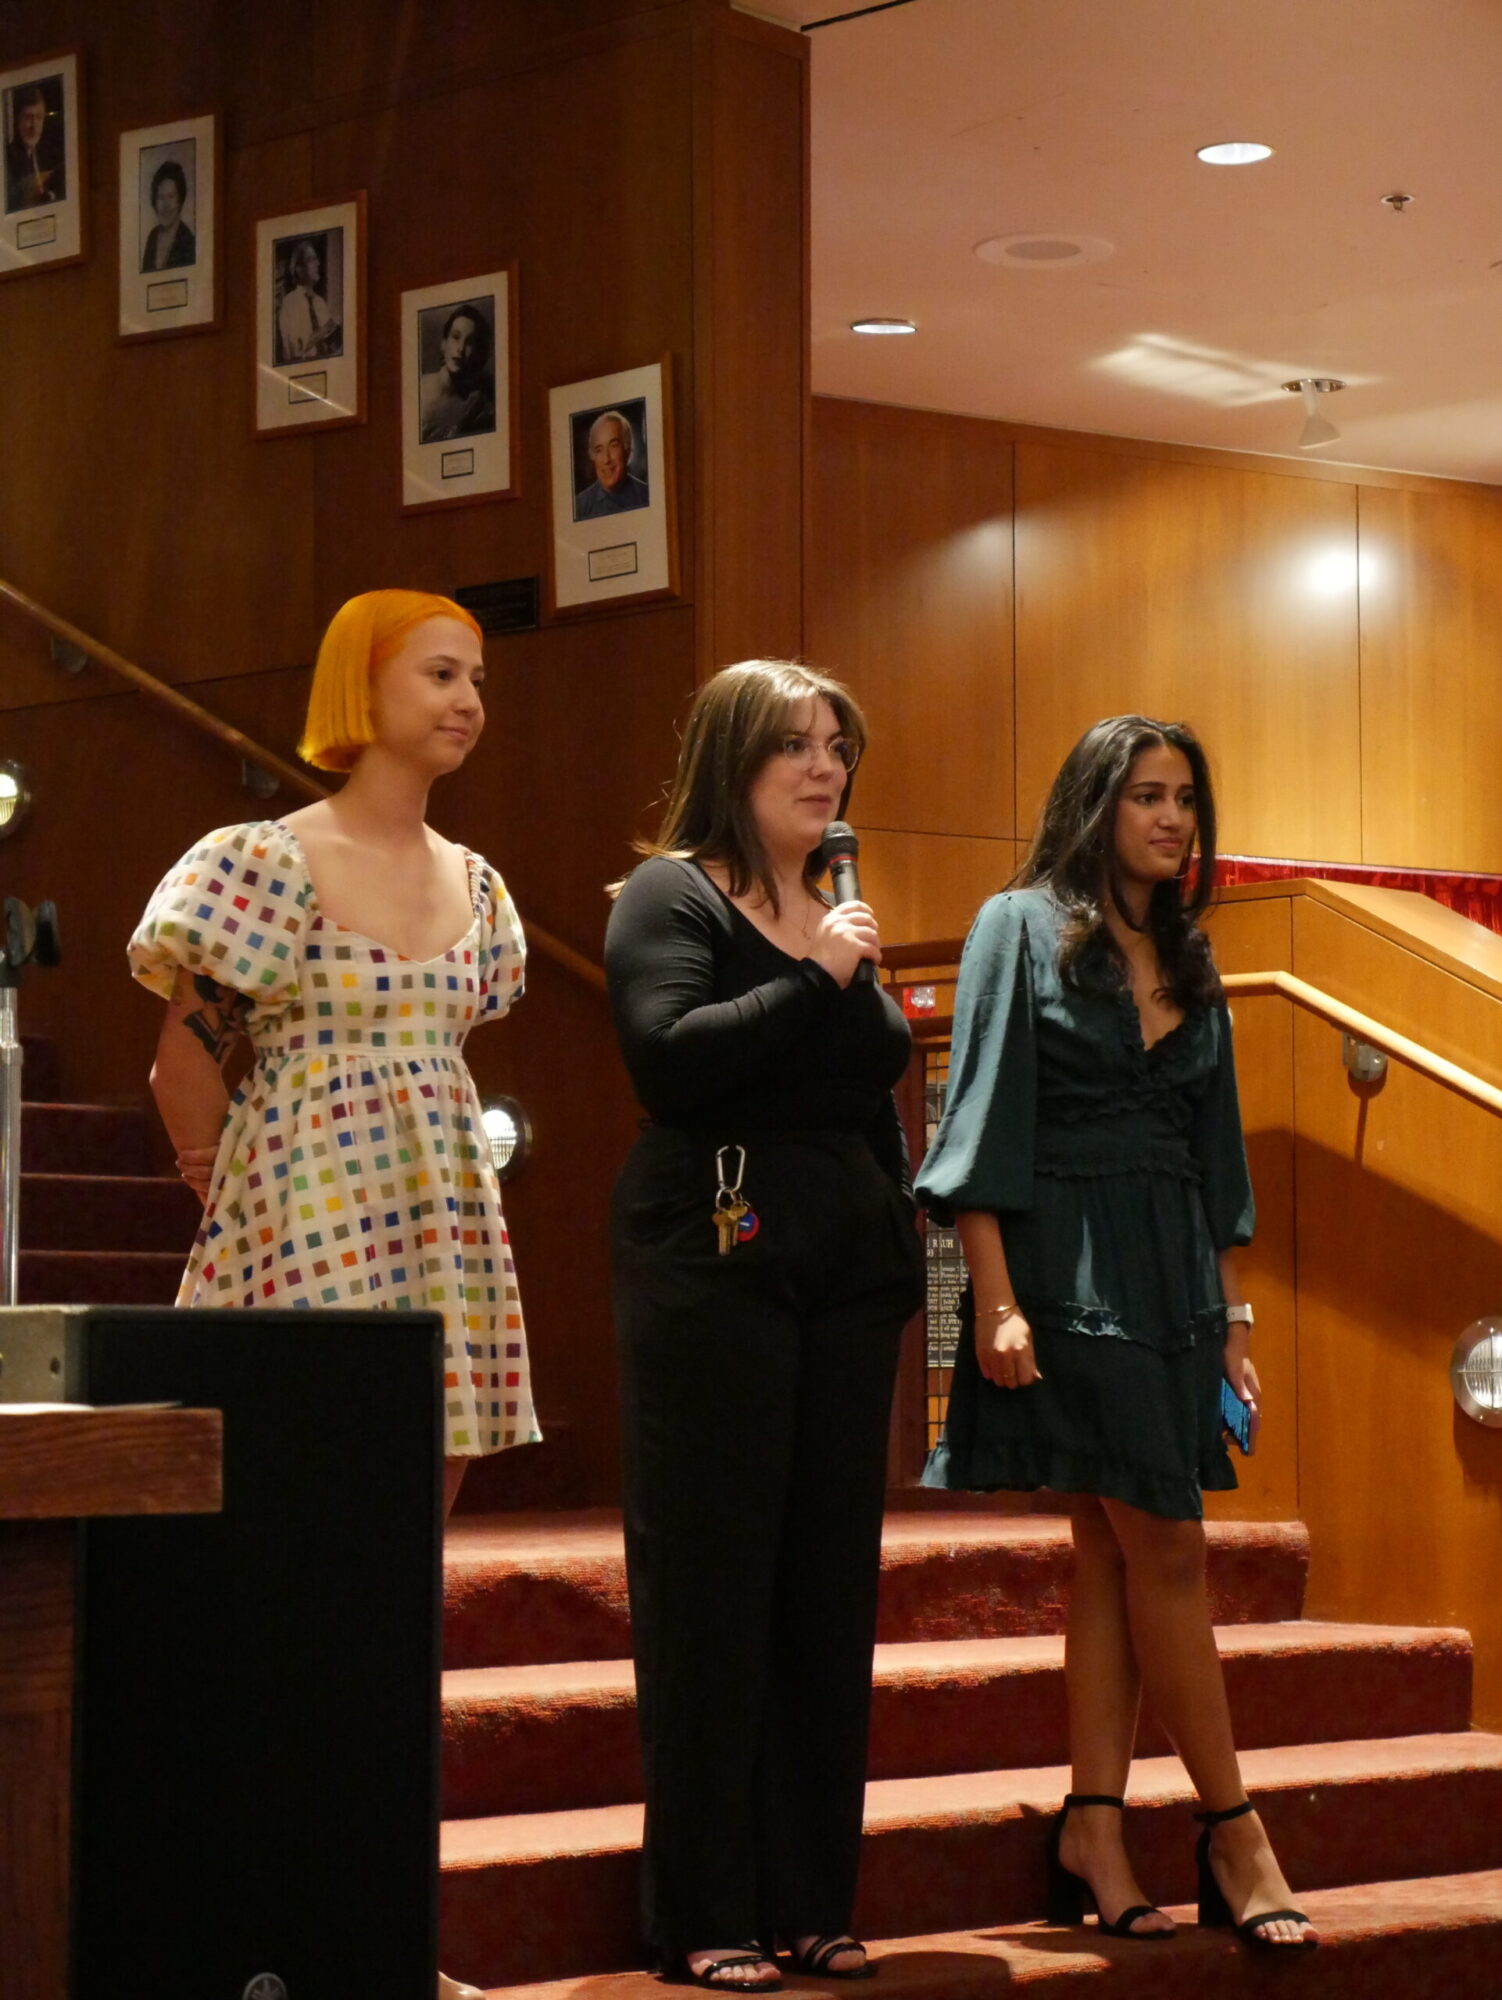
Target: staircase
x,y
1385,1806
97,1226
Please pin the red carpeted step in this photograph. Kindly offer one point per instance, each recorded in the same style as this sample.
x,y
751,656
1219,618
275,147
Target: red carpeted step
x,y
544,1895
100,1277
519,1589
1404,1940
82,1139
108,1212
544,1738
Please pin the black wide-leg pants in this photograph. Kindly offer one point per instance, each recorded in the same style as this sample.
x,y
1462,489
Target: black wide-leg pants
x,y
756,1392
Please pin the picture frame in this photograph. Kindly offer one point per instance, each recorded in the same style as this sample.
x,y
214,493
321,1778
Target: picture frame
x,y
614,536
171,209
310,347
44,193
460,425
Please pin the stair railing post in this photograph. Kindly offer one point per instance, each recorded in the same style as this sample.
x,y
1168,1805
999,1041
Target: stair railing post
x,y
28,936
10,1142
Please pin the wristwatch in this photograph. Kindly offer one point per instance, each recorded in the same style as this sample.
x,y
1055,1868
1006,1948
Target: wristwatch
x,y
1241,1315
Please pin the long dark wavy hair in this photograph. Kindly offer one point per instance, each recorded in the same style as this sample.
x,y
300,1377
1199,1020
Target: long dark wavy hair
x,y
1073,855
738,720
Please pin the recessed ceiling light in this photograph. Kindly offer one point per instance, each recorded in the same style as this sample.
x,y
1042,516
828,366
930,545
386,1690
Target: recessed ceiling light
x,y
1234,153
1037,250
882,326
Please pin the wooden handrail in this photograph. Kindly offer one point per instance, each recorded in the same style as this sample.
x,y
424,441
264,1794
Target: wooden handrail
x,y
246,746
1365,1029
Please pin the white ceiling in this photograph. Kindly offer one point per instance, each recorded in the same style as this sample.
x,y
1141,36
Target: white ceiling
x,y
941,123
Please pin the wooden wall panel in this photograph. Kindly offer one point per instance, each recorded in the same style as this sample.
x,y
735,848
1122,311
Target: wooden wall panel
x,y
1223,597
1431,678
1258,937
750,250
925,886
910,552
1399,1249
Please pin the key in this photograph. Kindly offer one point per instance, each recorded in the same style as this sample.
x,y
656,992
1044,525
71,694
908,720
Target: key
x,y
727,1221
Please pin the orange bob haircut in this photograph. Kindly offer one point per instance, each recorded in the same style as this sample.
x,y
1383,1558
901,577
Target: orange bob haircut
x,y
362,633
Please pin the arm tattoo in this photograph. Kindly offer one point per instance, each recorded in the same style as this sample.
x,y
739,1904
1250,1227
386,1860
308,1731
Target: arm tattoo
x,y
220,1021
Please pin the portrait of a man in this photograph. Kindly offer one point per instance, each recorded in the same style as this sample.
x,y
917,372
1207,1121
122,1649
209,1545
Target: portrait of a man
x,y
456,382
35,170
613,478
167,175
309,325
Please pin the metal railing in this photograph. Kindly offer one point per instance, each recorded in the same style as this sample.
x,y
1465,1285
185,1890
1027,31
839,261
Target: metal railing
x,y
246,748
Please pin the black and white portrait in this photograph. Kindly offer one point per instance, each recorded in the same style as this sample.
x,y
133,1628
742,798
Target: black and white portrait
x,y
308,286
456,370
35,144
609,458
169,194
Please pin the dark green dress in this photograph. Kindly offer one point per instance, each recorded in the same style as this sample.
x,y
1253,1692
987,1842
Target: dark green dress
x,y
1116,1172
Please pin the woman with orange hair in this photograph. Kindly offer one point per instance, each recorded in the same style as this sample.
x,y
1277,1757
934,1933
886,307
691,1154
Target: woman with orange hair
x,y
353,948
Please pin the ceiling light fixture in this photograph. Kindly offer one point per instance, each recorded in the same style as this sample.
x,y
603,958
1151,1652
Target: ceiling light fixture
x,y
1234,153
1317,429
882,326
1033,250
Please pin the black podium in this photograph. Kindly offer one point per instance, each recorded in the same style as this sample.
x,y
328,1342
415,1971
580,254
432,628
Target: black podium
x,y
257,1746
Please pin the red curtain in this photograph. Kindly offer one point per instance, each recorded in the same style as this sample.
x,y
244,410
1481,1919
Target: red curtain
x,y
1478,897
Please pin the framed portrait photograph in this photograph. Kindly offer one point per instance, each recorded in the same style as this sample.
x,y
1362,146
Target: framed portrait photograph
x,y
459,392
310,318
610,460
41,120
170,183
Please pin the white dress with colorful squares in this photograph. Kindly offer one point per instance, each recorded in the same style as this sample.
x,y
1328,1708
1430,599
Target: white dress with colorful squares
x,y
353,1169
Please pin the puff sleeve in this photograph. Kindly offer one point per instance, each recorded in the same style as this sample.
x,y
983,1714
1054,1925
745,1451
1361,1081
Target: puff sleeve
x,y
503,949
982,1154
1220,1149
232,910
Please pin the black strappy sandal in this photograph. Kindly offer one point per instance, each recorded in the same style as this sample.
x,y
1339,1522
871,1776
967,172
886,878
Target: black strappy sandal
x,y
816,1960
1215,1911
1067,1892
681,1973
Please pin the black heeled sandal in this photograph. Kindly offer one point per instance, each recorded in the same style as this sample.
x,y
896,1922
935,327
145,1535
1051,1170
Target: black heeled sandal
x,y
815,1961
1215,1911
1067,1892
681,1973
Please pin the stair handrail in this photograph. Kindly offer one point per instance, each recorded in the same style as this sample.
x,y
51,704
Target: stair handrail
x,y
247,748
1352,1022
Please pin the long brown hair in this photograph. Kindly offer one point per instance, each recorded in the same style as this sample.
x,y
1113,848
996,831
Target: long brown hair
x,y
737,721
1073,855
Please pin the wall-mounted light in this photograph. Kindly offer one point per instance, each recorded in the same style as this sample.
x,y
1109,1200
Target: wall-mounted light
x,y
509,1131
882,326
15,798
1476,1372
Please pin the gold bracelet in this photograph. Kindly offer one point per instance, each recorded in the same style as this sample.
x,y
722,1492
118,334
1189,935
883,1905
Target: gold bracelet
x,y
999,1312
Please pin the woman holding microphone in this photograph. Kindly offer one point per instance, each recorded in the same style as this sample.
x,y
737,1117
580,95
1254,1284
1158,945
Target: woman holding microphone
x,y
765,1261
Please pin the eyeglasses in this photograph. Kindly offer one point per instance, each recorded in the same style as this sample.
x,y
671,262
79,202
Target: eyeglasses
x,y
803,750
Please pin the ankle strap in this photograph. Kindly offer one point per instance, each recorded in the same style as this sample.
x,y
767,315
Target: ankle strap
x,y
1227,1812
1092,1799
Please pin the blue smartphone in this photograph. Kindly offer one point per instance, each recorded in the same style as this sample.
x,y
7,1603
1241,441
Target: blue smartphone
x,y
1235,1417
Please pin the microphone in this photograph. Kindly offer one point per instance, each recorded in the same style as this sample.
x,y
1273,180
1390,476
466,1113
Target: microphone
x,y
841,849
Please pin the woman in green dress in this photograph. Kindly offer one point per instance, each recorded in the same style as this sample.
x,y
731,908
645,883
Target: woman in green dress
x,y
1091,1158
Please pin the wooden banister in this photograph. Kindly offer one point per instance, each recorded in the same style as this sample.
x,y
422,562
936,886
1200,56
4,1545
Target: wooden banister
x,y
1365,1029
246,747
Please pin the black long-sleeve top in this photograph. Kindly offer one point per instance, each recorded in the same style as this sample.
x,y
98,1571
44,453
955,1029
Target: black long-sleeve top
x,y
722,1031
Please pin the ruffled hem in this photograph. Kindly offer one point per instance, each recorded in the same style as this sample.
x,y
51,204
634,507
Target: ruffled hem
x,y
1011,1468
